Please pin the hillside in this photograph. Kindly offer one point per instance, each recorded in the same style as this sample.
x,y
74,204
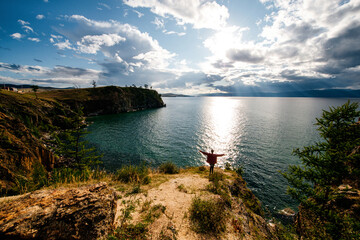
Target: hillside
x,y
107,100
187,205
29,121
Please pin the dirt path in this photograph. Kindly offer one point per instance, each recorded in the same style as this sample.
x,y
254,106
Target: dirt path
x,y
176,195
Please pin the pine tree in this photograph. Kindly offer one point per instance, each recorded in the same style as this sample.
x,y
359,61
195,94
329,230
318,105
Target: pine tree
x,y
328,164
73,146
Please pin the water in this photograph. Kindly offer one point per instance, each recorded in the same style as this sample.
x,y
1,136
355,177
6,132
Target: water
x,y
257,133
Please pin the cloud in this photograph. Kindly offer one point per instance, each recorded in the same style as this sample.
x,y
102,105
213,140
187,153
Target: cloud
x,y
93,43
158,22
37,60
302,45
201,14
104,5
16,36
63,45
118,42
23,22
27,29
34,39
58,76
40,16
138,13
244,55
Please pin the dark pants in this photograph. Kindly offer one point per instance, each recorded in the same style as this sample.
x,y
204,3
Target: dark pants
x,y
212,168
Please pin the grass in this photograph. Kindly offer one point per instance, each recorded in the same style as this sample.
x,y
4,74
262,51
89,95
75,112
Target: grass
x,y
208,216
239,189
133,174
169,168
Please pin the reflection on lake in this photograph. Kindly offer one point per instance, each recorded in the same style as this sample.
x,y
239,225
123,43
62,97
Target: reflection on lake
x,y
258,133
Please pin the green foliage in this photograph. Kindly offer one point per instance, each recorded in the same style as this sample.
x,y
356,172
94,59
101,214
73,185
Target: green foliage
x,y
239,189
133,174
328,164
202,168
154,213
239,170
228,166
169,168
139,231
208,216
39,176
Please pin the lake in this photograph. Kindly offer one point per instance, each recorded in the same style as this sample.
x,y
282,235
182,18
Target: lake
x,y
256,133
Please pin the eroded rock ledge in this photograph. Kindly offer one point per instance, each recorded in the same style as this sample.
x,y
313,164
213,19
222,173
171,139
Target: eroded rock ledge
x,y
77,213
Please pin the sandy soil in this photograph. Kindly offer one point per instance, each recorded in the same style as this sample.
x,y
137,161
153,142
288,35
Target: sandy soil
x,y
177,201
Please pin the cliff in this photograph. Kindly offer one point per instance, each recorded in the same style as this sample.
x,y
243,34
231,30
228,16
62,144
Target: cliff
x,y
25,123
107,100
28,121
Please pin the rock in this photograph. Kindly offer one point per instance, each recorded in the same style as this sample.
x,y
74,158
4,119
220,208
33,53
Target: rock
x,y
288,212
77,213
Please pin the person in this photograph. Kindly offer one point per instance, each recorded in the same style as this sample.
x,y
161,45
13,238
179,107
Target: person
x,y
211,159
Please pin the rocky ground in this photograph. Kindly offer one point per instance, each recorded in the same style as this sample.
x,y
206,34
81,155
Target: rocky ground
x,y
159,210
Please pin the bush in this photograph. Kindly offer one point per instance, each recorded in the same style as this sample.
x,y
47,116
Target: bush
x,y
208,216
169,168
202,168
133,174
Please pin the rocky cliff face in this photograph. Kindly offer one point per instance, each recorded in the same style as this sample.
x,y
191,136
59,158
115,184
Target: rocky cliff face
x,y
76,213
26,122
108,100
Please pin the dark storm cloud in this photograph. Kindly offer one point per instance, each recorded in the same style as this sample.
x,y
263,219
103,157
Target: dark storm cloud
x,y
244,55
220,64
69,71
302,32
342,52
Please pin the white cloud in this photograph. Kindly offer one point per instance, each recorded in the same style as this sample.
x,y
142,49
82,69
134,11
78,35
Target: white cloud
x,y
40,16
158,22
138,13
104,5
27,29
135,49
23,22
93,43
59,76
63,45
34,39
201,14
16,36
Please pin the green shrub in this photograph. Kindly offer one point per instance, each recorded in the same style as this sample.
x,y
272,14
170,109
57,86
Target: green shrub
x,y
228,166
202,168
139,231
169,168
208,216
133,174
39,176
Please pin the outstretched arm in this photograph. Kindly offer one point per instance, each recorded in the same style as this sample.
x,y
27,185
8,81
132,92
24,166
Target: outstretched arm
x,y
205,153
220,155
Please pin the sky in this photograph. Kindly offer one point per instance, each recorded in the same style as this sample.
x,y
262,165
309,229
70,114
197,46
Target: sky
x,y
182,46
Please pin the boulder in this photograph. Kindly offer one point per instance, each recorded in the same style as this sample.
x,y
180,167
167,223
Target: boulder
x,y
78,213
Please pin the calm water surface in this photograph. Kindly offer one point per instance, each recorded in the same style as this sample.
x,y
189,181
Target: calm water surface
x,y
257,133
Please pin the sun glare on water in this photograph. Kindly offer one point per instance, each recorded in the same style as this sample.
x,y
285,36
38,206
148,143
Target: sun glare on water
x,y
222,127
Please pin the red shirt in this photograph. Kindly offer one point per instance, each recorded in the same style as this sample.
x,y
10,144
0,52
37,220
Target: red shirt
x,y
211,157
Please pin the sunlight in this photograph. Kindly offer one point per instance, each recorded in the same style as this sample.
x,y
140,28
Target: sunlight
x,y
222,128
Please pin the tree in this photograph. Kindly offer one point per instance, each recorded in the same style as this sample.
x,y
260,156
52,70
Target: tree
x,y
93,83
328,164
72,145
35,88
146,86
